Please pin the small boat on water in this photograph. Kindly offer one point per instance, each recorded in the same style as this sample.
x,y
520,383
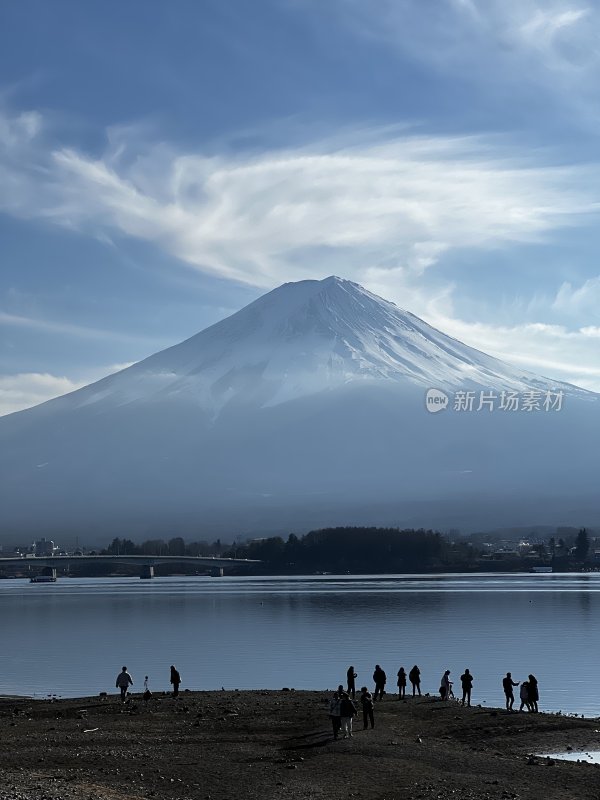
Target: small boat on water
x,y
42,579
539,570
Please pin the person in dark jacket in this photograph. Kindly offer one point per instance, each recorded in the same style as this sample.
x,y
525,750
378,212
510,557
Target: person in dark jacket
x,y
534,694
507,685
351,676
401,683
414,676
466,681
380,678
366,701
124,681
175,680
524,696
347,712
335,714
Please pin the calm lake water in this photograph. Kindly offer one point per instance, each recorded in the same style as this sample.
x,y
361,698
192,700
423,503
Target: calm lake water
x,y
72,637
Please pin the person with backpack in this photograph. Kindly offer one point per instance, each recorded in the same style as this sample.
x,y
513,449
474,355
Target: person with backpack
x,y
366,701
347,712
524,696
335,714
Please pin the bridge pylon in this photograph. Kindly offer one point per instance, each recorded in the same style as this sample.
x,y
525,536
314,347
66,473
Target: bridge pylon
x,y
147,571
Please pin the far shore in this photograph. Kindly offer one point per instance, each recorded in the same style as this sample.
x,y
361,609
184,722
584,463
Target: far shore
x,y
219,745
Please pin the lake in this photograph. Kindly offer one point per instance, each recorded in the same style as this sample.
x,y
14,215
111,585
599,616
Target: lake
x,y
72,637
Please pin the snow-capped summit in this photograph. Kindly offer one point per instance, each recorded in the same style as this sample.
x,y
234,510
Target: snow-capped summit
x,y
306,408
303,338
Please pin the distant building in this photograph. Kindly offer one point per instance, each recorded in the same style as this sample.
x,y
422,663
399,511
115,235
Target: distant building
x,y
44,547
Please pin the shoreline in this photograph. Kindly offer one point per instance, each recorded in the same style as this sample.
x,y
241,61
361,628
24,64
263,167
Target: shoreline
x,y
136,697
279,744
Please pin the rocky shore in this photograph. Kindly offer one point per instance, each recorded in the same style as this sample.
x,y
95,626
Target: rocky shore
x,y
278,745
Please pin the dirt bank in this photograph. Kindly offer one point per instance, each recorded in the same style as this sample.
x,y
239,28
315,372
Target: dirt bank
x,y
225,745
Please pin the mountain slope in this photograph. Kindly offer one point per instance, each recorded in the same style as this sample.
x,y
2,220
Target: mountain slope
x,y
304,408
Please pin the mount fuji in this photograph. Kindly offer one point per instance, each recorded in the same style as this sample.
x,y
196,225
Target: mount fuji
x,y
304,409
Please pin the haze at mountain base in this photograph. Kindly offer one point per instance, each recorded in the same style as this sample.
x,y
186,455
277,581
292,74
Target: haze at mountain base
x,y
304,409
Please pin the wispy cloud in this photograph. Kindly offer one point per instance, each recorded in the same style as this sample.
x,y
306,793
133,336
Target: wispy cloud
x,y
392,201
78,331
547,45
28,389
575,300
380,208
551,350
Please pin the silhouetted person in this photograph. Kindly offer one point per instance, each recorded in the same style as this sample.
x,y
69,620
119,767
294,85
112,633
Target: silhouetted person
x,y
335,714
351,676
534,694
347,711
466,681
124,681
175,680
446,686
507,685
147,693
366,701
524,696
414,676
401,683
380,678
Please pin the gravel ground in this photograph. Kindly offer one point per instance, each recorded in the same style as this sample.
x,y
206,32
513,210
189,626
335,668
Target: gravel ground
x,y
278,744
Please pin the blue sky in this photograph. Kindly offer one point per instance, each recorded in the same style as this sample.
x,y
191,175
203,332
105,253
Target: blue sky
x,y
162,164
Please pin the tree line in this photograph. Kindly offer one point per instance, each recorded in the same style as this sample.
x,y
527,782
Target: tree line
x,y
159,547
358,550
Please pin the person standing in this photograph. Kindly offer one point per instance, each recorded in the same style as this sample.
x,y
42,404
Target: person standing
x,y
147,693
347,712
414,676
335,714
380,679
366,701
124,681
524,696
534,694
507,685
446,686
466,681
175,680
351,676
401,683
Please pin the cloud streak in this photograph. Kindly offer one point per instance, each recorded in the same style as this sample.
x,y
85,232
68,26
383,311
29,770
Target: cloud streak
x,y
549,45
381,208
78,331
28,389
397,202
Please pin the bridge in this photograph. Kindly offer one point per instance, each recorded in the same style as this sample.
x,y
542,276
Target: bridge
x,y
146,564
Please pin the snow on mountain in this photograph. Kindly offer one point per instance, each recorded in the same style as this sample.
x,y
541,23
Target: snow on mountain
x,y
304,338
305,408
